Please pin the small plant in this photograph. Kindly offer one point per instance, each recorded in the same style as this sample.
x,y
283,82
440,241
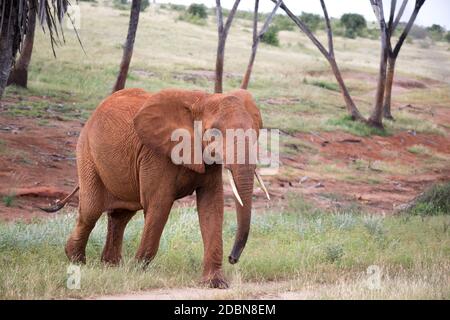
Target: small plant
x,y
2,146
374,225
8,200
326,85
419,149
344,221
355,127
271,37
334,252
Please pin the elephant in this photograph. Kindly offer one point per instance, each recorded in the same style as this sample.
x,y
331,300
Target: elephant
x,y
124,165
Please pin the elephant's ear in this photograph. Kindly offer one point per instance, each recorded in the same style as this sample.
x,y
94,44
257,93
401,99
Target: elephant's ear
x,y
250,106
162,114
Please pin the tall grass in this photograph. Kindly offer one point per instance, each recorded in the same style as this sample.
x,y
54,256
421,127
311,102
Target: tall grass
x,y
299,244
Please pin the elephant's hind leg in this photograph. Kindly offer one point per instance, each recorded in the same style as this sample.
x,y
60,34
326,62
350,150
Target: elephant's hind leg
x,y
117,221
91,207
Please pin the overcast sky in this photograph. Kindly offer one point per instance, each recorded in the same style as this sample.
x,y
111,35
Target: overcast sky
x,y
433,11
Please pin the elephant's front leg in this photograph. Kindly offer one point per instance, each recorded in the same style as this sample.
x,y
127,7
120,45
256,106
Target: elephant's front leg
x,y
210,211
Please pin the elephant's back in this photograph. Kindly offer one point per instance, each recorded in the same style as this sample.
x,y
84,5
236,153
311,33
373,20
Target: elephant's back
x,y
111,143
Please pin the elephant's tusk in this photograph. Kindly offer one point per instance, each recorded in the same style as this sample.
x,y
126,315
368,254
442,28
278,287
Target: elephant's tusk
x,y
261,182
233,187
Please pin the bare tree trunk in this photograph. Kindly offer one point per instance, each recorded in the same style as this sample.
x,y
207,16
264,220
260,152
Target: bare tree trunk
x,y
329,55
248,72
218,85
388,90
376,119
394,52
19,75
222,33
256,39
128,48
351,107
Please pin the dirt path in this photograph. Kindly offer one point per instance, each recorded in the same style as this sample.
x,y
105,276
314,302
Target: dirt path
x,y
266,290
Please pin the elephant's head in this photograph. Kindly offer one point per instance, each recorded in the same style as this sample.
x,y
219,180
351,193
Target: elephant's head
x,y
203,115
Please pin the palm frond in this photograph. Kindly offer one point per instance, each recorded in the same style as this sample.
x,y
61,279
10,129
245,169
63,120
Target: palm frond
x,y
14,20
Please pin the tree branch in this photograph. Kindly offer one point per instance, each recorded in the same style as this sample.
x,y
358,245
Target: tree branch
x,y
255,21
399,15
269,19
230,16
219,16
391,15
305,30
419,4
328,29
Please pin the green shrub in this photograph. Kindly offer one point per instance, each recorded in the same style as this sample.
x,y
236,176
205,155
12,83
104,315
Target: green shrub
x,y
355,24
436,32
271,37
334,252
434,201
144,5
447,36
282,22
326,85
198,10
177,7
312,20
418,32
125,5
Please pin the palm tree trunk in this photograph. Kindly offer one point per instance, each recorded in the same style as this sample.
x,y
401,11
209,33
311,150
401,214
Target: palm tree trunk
x,y
7,35
388,90
128,48
19,75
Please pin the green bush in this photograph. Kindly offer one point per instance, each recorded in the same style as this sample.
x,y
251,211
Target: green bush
x,y
144,5
436,32
177,7
271,37
447,36
125,5
418,32
282,22
313,21
434,201
198,10
355,24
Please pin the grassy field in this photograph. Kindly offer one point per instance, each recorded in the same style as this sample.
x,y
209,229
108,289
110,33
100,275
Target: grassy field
x,y
294,250
173,53
301,249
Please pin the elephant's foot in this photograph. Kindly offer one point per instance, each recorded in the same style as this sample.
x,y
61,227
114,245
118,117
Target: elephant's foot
x,y
111,259
217,281
75,252
144,259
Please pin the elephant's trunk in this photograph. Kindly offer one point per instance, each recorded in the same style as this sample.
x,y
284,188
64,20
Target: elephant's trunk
x,y
243,176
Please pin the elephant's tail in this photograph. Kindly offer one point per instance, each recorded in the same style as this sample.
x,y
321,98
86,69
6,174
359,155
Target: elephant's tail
x,y
60,203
